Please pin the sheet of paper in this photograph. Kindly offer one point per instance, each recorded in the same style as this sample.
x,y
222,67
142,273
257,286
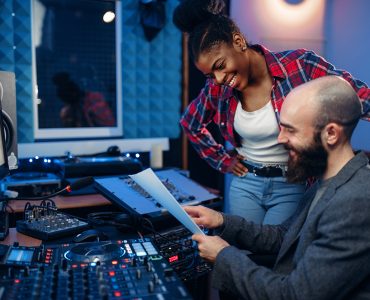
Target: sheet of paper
x,y
150,182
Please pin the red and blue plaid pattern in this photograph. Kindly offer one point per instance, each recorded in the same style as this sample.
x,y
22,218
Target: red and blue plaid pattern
x,y
218,103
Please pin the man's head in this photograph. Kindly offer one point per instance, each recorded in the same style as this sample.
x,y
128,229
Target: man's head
x,y
317,118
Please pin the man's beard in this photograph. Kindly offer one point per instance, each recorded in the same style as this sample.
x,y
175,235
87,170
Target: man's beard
x,y
309,162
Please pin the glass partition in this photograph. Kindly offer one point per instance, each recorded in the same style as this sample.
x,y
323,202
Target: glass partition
x,y
76,69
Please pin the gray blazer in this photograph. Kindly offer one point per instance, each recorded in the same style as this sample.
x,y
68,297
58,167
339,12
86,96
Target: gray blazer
x,y
325,255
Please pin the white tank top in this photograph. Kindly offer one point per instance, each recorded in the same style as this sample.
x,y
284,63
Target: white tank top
x,y
259,131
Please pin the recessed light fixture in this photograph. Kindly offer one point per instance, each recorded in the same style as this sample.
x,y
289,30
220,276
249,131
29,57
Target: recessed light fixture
x,y
109,16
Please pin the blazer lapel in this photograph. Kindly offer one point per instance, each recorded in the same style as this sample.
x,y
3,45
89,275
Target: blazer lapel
x,y
295,228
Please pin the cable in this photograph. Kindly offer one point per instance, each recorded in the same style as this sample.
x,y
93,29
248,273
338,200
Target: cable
x,y
78,184
117,219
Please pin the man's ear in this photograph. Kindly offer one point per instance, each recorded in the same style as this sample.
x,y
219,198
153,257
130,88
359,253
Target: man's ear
x,y
239,41
332,133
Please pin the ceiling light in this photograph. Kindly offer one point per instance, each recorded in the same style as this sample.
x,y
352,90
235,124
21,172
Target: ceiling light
x,y
109,16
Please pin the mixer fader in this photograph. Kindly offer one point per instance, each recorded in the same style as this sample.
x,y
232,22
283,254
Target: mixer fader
x,y
127,269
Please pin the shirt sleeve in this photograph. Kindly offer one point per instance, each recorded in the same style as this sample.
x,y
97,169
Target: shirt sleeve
x,y
97,110
194,121
317,66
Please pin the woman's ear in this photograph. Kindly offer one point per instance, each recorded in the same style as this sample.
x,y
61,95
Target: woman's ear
x,y
239,42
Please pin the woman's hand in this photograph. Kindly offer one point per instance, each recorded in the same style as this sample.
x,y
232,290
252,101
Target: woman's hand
x,y
236,167
204,216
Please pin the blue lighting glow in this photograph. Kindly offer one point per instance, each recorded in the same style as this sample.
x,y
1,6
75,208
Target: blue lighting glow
x,y
294,2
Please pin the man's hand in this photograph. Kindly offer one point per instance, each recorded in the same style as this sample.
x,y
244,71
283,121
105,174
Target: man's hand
x,y
204,216
209,246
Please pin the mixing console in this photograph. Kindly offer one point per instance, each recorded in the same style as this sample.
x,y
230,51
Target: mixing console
x,y
125,193
177,247
127,269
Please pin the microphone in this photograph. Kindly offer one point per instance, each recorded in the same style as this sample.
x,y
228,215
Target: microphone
x,y
78,184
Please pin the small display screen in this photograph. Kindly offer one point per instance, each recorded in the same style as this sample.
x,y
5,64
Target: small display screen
x,y
20,255
173,258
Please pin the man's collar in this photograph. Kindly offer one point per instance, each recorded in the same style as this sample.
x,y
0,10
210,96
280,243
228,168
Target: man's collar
x,y
358,161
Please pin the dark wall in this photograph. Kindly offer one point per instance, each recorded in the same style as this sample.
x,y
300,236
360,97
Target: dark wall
x,y
200,171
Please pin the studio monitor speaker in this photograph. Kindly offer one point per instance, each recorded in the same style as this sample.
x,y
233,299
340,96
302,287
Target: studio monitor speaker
x,y
9,116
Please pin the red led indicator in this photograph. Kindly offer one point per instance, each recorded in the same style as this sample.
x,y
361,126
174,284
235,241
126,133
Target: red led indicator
x,y
117,294
173,258
112,273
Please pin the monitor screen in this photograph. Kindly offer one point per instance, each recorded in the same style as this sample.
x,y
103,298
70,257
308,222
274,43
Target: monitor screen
x,y
4,169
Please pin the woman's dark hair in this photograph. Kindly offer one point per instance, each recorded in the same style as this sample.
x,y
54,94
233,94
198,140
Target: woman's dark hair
x,y
67,90
206,24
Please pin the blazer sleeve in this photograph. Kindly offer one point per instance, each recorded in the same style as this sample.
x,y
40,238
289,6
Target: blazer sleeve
x,y
335,261
262,239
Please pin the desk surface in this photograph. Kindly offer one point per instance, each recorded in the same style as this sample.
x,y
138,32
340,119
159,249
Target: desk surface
x,y
62,202
66,202
23,240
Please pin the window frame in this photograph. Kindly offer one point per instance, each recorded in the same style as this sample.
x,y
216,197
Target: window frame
x,y
81,132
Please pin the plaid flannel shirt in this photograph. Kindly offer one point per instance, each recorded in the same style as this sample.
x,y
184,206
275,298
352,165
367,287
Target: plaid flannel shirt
x,y
218,103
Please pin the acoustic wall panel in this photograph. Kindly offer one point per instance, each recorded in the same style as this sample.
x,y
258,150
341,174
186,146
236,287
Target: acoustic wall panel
x,y
16,56
151,76
151,70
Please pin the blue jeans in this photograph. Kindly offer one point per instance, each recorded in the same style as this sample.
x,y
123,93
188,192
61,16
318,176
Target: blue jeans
x,y
263,200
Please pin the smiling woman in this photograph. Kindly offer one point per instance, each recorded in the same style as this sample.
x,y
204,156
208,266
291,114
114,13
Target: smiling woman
x,y
245,88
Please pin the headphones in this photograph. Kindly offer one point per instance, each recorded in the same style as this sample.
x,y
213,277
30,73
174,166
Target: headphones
x,y
122,221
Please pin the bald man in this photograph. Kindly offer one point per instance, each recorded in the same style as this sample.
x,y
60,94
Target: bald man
x,y
323,251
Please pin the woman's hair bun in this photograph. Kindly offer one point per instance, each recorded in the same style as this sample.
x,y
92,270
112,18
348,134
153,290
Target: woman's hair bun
x,y
190,13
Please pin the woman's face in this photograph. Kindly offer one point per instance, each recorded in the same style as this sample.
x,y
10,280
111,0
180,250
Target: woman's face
x,y
226,65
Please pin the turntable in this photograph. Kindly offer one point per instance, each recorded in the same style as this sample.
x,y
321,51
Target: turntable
x,y
94,252
125,269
